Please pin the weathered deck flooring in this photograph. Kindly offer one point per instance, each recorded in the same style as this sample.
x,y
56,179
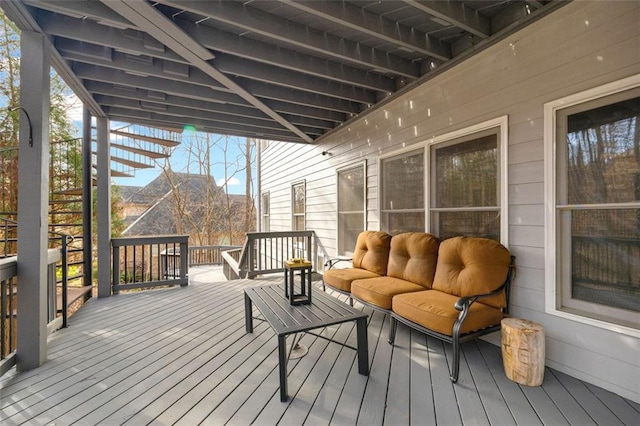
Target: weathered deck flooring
x,y
181,356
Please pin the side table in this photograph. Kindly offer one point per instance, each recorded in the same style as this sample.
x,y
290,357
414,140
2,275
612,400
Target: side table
x,y
304,296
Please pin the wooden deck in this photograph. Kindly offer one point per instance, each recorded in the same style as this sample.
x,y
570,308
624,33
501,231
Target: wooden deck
x,y
181,356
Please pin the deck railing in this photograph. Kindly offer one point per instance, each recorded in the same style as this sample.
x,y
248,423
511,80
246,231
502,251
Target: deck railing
x,y
208,255
8,312
9,303
265,252
138,262
59,274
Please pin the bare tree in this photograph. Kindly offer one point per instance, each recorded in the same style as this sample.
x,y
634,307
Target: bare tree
x,y
200,206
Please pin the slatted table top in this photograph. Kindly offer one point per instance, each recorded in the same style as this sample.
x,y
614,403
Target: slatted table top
x,y
287,319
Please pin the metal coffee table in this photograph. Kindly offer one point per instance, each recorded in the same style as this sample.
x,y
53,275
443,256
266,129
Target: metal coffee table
x,y
286,319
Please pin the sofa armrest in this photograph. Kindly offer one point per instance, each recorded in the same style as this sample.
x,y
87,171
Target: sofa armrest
x,y
467,301
333,261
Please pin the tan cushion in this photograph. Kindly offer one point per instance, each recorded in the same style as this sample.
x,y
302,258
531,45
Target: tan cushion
x,y
380,291
468,266
372,251
436,311
342,278
413,257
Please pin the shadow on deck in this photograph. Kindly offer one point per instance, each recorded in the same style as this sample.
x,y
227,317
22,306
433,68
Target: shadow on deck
x,y
181,356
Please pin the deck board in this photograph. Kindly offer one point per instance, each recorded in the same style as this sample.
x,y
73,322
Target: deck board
x,y
182,356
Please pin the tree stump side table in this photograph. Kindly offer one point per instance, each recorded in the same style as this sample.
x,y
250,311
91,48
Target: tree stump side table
x,y
523,351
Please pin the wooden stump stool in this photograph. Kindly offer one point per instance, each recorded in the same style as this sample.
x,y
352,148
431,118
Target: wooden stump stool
x,y
523,351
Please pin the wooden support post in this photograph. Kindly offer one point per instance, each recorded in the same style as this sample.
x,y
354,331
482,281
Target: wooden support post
x,y
523,351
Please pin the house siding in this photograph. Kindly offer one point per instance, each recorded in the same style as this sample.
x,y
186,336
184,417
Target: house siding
x,y
580,46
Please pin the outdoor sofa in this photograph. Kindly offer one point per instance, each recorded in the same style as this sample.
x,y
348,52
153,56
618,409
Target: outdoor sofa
x,y
454,290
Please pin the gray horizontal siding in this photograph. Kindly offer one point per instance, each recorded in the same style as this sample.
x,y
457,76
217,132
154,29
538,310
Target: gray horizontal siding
x,y
578,47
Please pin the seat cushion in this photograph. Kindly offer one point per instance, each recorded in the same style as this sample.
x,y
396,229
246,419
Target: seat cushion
x,y
372,251
413,257
468,266
436,311
380,291
342,278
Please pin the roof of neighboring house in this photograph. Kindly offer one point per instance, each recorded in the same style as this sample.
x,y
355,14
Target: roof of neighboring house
x,y
177,194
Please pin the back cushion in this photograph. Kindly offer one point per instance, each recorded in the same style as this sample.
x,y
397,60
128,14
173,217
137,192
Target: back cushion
x,y
468,266
372,251
413,257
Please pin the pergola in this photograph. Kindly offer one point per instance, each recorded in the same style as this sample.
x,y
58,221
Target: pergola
x,y
280,70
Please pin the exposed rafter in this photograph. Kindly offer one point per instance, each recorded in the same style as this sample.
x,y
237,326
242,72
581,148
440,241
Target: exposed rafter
x,y
456,14
284,69
300,36
353,17
162,29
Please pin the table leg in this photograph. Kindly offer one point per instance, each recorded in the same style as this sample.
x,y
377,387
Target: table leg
x,y
248,314
282,365
363,347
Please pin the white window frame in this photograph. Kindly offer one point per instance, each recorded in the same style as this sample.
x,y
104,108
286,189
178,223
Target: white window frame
x,y
362,165
502,125
553,295
303,214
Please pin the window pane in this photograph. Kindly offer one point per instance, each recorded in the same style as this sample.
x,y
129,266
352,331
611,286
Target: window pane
x,y
471,223
349,227
265,213
605,257
298,199
396,223
467,174
403,182
350,207
298,223
351,189
603,152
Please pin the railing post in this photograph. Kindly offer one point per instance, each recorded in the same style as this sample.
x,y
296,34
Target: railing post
x,y
184,261
116,269
65,279
252,259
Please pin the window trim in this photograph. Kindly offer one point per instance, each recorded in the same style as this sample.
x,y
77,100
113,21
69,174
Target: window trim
x,y
553,297
351,166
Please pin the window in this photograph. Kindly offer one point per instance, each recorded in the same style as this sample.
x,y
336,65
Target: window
x,y
466,193
298,195
465,187
265,212
594,225
402,204
351,207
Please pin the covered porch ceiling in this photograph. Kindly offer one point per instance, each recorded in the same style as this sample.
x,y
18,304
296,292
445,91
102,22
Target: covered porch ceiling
x,y
282,70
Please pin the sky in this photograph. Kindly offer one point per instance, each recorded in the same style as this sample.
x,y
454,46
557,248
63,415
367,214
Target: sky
x,y
235,183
